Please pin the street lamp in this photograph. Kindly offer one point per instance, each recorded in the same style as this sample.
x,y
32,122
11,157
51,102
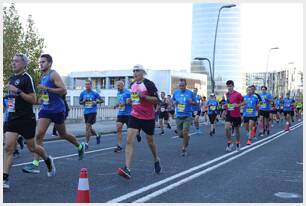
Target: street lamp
x,y
215,41
268,58
211,77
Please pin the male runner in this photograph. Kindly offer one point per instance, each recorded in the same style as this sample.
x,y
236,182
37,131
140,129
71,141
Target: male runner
x,y
21,119
264,111
196,110
143,97
52,110
288,110
212,105
299,109
249,112
233,116
164,106
90,99
123,115
184,99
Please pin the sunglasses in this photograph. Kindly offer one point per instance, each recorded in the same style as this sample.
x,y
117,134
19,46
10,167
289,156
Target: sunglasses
x,y
137,70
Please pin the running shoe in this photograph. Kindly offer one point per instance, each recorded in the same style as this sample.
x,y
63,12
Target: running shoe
x,y
20,142
81,151
138,138
124,172
31,168
51,168
118,149
86,146
237,147
98,138
16,154
6,184
157,167
211,133
268,132
248,142
184,152
168,126
229,148
162,133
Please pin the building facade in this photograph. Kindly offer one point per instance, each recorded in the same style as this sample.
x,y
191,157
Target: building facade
x,y
227,56
104,82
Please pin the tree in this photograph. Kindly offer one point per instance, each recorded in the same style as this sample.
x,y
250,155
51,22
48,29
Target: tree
x,y
17,39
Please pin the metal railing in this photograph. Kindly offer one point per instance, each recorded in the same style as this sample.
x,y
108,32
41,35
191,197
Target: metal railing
x,y
77,113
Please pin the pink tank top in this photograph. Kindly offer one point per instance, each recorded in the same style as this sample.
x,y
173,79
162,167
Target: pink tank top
x,y
141,109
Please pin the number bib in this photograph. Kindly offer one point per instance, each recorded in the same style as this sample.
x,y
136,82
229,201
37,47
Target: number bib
x,y
135,98
45,99
88,104
181,107
249,110
264,105
122,107
213,108
230,107
11,105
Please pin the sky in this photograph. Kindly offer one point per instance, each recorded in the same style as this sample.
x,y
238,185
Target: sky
x,y
104,36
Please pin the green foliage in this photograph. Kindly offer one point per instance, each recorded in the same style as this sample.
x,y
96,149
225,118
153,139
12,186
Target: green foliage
x,y
16,39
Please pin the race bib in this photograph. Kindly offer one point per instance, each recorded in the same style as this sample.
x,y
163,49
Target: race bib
x,y
121,107
230,107
162,109
45,99
181,107
213,108
264,105
88,104
11,105
135,98
249,110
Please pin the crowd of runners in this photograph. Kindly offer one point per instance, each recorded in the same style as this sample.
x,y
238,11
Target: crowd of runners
x,y
139,108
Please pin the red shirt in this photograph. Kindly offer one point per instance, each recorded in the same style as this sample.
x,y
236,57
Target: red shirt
x,y
234,97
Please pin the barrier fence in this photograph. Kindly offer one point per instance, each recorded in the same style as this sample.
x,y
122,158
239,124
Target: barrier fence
x,y
77,113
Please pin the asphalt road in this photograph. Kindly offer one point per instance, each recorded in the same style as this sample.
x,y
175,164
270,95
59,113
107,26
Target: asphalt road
x,y
270,170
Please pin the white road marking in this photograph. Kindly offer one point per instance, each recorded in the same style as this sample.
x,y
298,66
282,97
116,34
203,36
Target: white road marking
x,y
65,156
187,179
156,184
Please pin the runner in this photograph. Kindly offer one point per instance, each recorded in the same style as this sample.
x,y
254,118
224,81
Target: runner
x,y
21,119
144,96
52,110
123,96
204,109
279,111
212,113
90,99
222,104
288,110
273,112
196,110
264,111
164,106
299,109
233,118
171,108
257,110
249,113
184,100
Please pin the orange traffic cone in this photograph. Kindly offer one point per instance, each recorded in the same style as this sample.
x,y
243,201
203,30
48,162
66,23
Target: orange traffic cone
x,y
83,188
287,126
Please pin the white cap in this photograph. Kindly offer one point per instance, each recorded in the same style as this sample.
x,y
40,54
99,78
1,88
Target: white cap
x,y
139,67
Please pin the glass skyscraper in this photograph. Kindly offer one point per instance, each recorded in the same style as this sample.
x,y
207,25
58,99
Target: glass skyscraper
x,y
227,56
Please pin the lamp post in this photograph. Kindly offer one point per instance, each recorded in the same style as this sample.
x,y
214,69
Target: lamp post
x,y
210,71
268,58
216,32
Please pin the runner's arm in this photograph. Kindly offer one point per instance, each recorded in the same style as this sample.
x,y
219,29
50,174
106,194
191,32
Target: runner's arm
x,y
60,86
